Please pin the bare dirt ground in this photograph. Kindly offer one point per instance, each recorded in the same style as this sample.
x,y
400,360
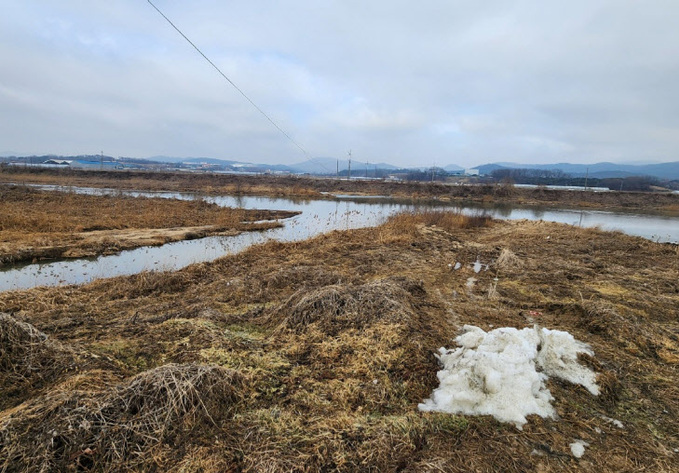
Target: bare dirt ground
x,y
43,225
313,356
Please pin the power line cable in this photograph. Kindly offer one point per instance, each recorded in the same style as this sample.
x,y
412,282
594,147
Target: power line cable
x,y
231,82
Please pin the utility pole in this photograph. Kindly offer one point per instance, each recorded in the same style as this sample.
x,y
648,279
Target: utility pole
x,y
586,176
366,169
338,169
349,175
101,161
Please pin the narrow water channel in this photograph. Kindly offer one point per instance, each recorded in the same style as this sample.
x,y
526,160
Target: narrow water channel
x,y
318,216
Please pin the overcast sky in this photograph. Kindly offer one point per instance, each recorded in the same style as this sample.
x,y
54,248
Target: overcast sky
x,y
404,82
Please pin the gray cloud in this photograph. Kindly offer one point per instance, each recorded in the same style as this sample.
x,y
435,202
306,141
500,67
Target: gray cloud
x,y
407,82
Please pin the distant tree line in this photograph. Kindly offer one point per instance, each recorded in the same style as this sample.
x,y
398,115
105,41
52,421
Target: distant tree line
x,y
632,183
430,174
532,176
373,173
546,177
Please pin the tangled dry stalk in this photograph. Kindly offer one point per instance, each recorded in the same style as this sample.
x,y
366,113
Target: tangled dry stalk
x,y
336,308
29,359
118,427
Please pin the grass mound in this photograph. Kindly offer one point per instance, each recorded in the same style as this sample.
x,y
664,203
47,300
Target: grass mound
x,y
362,347
335,308
127,426
508,261
28,359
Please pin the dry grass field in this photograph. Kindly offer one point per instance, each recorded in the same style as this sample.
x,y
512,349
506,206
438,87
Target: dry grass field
x,y
307,187
313,356
41,224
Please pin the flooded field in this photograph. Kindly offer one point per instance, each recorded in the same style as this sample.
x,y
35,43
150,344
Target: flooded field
x,y
317,217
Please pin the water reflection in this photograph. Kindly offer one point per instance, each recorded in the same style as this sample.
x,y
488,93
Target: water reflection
x,y
538,213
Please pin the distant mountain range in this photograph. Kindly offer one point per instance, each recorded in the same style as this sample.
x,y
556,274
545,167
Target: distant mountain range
x,y
597,170
330,166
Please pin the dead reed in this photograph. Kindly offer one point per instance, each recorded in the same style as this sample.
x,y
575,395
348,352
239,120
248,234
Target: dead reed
x,y
408,223
340,307
121,427
29,359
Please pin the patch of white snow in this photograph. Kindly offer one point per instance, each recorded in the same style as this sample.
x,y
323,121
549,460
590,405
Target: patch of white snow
x,y
578,448
495,373
457,266
615,422
558,357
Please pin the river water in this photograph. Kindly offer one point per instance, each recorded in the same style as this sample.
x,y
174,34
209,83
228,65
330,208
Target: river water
x,y
318,216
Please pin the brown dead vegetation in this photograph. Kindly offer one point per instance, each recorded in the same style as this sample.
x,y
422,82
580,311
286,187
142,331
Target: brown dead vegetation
x,y
29,359
39,224
326,346
122,425
306,187
333,309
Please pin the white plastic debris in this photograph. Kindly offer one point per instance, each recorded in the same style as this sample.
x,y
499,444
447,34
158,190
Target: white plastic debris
x,y
578,448
477,266
458,265
496,373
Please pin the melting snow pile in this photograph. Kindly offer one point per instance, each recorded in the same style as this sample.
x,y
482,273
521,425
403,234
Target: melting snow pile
x,y
496,373
578,448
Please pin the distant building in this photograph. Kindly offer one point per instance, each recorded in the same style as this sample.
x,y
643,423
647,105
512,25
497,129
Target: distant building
x,y
471,172
86,164
58,162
